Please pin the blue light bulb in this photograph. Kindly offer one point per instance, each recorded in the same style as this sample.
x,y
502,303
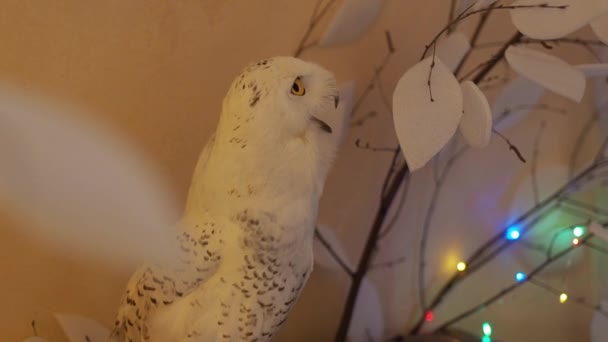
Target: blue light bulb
x,y
512,233
520,276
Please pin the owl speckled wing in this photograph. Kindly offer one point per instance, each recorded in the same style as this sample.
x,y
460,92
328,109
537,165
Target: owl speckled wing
x,y
154,287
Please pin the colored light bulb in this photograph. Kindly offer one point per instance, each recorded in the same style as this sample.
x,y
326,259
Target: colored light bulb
x,y
578,231
513,233
520,276
487,329
461,266
429,316
575,241
563,298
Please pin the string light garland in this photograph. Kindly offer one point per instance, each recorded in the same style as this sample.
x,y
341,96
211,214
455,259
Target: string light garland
x,y
529,278
533,221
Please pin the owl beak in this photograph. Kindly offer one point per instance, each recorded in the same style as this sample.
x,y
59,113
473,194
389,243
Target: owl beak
x,y
324,126
336,101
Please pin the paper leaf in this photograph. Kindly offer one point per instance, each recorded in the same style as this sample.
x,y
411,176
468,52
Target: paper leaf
x,y
351,22
78,328
367,323
553,23
594,70
600,27
423,126
81,188
452,49
35,339
476,123
517,99
322,255
548,71
599,324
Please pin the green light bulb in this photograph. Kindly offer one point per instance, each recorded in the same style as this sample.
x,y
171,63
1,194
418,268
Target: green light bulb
x,y
578,231
487,329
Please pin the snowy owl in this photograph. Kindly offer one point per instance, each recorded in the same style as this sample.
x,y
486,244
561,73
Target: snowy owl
x,y
246,234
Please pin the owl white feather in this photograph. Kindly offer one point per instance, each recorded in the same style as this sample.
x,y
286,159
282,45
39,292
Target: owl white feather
x,y
247,231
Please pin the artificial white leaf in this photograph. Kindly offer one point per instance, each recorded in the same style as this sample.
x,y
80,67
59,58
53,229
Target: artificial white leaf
x,y
82,188
476,123
553,23
594,70
599,324
423,126
367,323
548,71
452,49
322,255
35,339
78,328
515,101
600,27
351,22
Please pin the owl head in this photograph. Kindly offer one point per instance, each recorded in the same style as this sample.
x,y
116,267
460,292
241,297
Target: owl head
x,y
284,98
284,107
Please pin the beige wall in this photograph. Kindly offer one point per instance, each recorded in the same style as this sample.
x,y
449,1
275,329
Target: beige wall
x,y
158,70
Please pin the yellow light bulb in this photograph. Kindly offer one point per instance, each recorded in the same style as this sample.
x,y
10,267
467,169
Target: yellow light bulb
x,y
563,298
461,266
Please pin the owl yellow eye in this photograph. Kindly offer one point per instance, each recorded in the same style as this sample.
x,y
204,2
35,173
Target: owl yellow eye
x,y
297,88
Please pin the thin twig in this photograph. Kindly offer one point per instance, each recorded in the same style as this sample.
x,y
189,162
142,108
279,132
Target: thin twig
x,y
580,139
370,85
314,20
428,81
576,41
586,206
391,224
451,15
465,15
601,151
388,264
333,253
367,146
426,227
482,23
578,300
596,247
34,327
511,146
361,121
534,163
